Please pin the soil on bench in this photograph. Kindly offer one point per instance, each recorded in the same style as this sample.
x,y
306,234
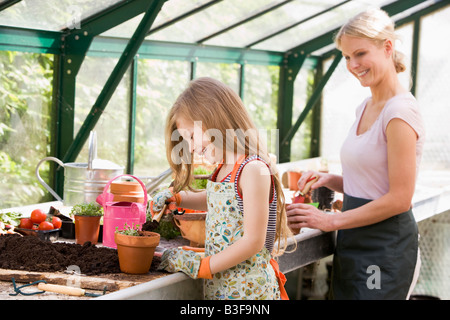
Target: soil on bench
x,y
33,254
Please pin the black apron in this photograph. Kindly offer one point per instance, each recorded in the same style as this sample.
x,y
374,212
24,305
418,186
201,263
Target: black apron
x,y
375,261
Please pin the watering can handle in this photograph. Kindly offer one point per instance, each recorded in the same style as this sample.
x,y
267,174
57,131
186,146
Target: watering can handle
x,y
105,190
46,186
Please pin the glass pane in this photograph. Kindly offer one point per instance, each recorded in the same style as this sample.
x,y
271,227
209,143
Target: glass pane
x,y
112,127
269,23
170,10
227,73
210,20
25,124
155,96
175,8
341,96
261,100
404,45
316,26
432,89
51,15
124,30
301,141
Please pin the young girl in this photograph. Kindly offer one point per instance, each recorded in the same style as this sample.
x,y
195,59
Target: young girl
x,y
244,199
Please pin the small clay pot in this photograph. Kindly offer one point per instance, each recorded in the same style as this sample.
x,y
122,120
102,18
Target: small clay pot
x,y
87,229
136,252
128,191
192,227
293,177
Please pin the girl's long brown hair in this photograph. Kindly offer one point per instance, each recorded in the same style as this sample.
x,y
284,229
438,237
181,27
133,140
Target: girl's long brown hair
x,y
218,107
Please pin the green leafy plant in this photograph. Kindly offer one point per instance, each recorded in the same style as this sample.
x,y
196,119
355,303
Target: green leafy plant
x,y
12,218
166,229
129,230
200,183
87,209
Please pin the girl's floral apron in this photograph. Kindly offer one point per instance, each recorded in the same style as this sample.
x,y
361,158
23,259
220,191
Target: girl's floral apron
x,y
253,279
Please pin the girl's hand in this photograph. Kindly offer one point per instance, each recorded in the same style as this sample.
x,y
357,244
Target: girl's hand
x,y
188,261
302,215
164,197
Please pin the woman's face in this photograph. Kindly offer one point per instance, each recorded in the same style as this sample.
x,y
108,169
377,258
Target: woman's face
x,y
198,141
366,60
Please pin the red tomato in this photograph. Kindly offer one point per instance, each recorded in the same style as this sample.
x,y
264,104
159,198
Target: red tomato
x,y
46,225
57,222
37,216
26,223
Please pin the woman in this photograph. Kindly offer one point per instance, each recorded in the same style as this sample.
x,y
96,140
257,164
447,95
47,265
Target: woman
x,y
376,254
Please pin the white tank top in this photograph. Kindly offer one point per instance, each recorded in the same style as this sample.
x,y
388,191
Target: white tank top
x,y
364,156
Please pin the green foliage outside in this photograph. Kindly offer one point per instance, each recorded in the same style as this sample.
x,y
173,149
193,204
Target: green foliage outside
x,y
26,114
25,122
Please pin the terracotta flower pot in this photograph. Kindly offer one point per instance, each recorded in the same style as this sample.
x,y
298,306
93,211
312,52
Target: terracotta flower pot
x,y
136,252
87,229
192,227
293,177
128,191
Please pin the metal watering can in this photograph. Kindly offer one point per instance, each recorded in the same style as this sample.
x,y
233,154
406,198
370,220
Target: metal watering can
x,y
117,213
83,182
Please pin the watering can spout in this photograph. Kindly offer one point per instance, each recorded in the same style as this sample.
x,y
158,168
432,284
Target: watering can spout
x,y
104,198
139,209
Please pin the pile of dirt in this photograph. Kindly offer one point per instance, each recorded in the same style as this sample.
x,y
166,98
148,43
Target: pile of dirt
x,y
32,254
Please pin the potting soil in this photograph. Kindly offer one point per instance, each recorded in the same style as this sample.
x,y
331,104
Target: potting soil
x,y
32,254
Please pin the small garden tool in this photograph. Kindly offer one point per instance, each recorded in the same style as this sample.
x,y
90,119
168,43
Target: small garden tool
x,y
299,196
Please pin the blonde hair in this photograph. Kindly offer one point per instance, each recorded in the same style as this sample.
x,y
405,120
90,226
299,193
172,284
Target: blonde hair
x,y
218,107
375,25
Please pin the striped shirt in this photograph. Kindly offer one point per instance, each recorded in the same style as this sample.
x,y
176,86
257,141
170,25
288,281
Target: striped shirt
x,y
272,219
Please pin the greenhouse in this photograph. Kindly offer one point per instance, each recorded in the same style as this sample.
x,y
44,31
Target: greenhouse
x,y
96,79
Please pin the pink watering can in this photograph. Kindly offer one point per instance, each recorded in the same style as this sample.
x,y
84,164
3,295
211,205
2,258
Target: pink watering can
x,y
117,213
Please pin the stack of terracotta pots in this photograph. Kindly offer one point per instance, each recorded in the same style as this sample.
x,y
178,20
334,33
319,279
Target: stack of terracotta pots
x,y
129,191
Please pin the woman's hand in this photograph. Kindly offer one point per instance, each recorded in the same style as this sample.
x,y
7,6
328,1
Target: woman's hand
x,y
331,181
307,176
302,215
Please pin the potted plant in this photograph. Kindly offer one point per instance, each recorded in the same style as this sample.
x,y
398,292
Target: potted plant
x,y
135,248
87,222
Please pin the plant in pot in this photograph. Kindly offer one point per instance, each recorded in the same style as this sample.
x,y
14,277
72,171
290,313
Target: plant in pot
x,y
87,222
192,224
135,249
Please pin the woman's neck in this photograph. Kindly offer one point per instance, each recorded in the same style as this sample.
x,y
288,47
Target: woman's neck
x,y
386,89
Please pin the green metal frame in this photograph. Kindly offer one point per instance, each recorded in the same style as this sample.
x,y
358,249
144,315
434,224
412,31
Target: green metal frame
x,y
239,23
132,119
37,41
111,84
8,4
183,16
288,74
71,46
295,24
74,48
291,130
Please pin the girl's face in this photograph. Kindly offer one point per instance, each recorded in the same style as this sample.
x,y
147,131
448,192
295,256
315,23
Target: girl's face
x,y
366,60
198,141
